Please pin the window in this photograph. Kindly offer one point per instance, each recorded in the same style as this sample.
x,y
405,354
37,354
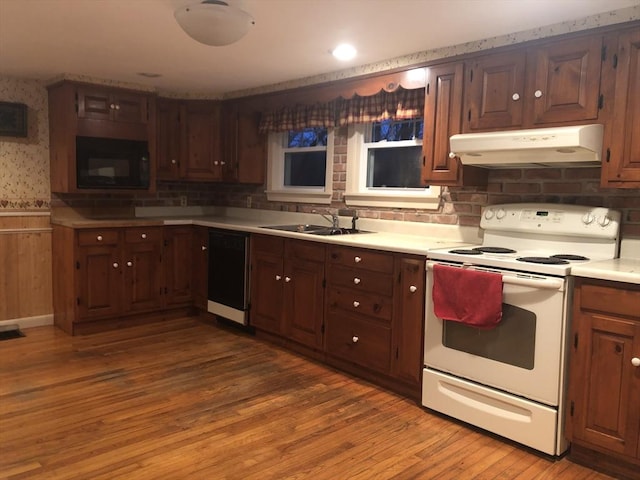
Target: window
x,y
300,166
384,166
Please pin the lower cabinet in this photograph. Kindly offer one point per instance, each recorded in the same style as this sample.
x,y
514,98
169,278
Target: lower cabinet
x,y
360,310
200,266
178,259
603,418
286,288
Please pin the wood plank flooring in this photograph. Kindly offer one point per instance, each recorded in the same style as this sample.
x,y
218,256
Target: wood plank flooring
x,y
187,399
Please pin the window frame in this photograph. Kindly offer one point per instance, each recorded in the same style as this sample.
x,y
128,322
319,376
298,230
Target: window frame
x,y
358,194
276,189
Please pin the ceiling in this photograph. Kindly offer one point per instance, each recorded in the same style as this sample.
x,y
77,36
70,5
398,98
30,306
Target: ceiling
x,y
118,39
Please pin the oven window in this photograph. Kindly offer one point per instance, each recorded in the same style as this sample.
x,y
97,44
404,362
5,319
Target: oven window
x,y
512,342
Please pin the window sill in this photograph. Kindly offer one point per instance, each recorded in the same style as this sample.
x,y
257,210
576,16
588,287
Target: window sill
x,y
299,196
430,201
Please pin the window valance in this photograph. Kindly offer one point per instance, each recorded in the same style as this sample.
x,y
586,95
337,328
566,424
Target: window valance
x,y
401,104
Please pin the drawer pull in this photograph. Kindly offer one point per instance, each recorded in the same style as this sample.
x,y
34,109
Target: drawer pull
x,y
356,303
356,280
357,259
144,235
115,265
129,264
413,289
355,339
278,277
635,361
99,238
287,279
204,248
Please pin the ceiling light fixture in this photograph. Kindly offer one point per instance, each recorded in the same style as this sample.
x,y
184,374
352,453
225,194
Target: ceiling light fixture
x,y
214,22
344,52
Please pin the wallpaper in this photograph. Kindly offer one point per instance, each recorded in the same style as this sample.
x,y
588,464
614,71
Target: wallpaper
x,y
24,162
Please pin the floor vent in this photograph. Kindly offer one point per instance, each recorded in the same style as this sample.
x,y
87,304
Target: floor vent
x,y
7,332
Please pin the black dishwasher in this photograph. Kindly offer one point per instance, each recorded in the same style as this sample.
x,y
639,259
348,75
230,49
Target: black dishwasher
x,y
228,274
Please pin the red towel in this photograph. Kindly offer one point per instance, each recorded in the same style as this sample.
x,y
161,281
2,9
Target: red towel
x,y
467,296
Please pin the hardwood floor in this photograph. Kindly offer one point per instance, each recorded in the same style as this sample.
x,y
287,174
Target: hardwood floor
x,y
187,399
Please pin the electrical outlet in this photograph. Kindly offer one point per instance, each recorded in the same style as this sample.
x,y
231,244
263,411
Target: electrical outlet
x,y
183,200
248,201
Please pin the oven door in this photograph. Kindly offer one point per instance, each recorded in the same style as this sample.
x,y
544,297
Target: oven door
x,y
523,355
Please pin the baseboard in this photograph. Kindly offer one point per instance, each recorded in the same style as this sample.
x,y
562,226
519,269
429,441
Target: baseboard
x,y
29,322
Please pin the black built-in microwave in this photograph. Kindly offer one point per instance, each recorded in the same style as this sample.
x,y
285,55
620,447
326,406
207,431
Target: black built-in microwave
x,y
112,163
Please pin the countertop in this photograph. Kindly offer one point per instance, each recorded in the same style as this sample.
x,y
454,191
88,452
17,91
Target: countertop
x,y
617,270
382,235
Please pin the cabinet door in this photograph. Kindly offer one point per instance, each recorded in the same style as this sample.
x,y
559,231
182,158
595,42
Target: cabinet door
x,y
267,279
99,281
604,384
203,149
130,107
142,269
177,263
563,81
251,149
169,136
106,104
304,292
408,319
622,166
495,92
200,266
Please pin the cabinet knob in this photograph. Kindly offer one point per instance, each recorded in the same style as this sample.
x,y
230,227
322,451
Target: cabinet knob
x,y
515,97
223,163
129,264
99,238
635,361
356,280
144,235
204,248
537,93
112,106
356,303
413,289
278,277
287,279
355,339
115,265
357,259
452,155
215,162
117,107
173,161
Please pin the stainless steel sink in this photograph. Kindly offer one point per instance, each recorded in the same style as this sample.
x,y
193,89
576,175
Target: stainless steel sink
x,y
315,229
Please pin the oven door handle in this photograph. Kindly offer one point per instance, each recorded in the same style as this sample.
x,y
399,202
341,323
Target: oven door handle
x,y
528,281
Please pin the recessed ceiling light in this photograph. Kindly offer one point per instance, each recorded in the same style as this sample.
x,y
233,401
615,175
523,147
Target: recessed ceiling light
x,y
149,74
344,52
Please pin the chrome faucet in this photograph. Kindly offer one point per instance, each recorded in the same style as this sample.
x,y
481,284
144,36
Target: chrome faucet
x,y
331,217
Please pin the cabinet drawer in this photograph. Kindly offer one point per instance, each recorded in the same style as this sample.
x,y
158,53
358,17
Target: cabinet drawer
x,y
97,237
361,280
360,341
143,234
369,304
362,258
267,244
304,249
610,299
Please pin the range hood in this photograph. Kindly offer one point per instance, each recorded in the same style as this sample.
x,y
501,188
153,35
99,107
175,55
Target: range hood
x,y
574,146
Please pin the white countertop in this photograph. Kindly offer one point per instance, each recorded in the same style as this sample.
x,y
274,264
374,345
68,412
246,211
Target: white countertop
x,y
623,269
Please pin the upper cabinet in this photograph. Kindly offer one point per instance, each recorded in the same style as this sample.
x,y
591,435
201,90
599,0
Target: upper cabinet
x,y
202,148
84,110
554,83
442,118
621,165
245,149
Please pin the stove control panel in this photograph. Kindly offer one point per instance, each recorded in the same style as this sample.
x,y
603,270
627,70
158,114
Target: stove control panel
x,y
552,219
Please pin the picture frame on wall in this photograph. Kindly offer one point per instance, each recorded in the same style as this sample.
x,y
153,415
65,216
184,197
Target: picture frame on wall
x,y
13,119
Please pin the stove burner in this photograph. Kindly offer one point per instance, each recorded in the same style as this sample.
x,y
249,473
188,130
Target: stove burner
x,y
494,250
544,260
569,257
462,251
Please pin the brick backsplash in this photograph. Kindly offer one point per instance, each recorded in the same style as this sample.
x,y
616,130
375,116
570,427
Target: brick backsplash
x,y
461,206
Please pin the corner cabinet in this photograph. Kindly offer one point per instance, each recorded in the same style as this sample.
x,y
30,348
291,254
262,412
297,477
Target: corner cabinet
x,y
621,167
79,109
442,118
603,417
550,84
